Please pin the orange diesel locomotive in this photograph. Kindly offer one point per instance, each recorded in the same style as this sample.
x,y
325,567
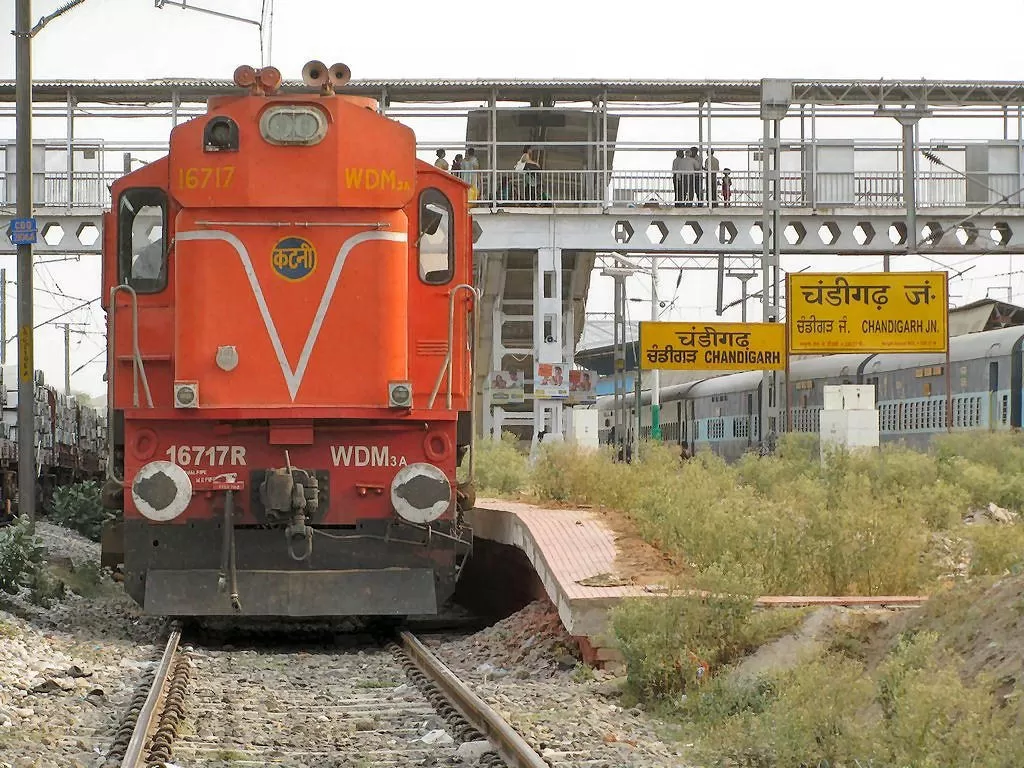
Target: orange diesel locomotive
x,y
290,307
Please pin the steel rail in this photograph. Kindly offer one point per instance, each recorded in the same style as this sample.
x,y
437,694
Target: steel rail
x,y
511,747
134,756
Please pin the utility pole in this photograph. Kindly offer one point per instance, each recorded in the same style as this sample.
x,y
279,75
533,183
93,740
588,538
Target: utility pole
x,y
776,97
656,378
67,353
3,317
23,34
67,358
26,359
621,420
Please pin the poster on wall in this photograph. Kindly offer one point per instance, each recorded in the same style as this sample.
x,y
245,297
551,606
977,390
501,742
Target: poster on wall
x,y
508,387
550,382
582,387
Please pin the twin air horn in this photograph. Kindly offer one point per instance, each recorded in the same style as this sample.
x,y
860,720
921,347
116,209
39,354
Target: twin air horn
x,y
316,73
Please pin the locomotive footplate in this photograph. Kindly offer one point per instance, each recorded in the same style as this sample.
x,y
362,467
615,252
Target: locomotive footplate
x,y
375,568
390,592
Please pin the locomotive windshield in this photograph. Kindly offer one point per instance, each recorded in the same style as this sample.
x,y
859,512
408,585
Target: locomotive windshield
x,y
141,242
436,245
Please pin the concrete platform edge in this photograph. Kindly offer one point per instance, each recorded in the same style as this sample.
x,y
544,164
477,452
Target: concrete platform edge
x,y
586,618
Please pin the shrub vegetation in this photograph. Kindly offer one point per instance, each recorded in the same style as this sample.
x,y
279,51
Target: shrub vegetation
x,y
890,521
79,508
21,557
886,522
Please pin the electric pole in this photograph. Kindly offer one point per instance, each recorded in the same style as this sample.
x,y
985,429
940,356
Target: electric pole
x,y
67,353
67,358
656,377
3,317
26,360
23,233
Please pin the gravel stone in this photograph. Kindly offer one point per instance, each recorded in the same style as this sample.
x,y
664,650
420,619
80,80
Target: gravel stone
x,y
470,752
307,707
437,737
568,713
68,672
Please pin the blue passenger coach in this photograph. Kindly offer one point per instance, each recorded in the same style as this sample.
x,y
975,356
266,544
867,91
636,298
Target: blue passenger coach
x,y
721,412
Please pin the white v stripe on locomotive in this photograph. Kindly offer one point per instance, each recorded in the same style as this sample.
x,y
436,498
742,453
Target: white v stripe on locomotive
x,y
293,378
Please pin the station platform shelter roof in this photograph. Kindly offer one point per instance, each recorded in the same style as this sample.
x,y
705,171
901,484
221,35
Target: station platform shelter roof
x,y
984,315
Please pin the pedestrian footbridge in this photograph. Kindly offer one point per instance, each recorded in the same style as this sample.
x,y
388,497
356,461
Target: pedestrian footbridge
x,y
605,194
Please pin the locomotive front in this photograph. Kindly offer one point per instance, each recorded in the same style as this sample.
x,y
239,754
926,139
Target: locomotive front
x,y
289,302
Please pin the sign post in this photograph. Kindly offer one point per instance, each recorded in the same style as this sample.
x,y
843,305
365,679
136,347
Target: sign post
x,y
874,312
23,228
867,312
713,346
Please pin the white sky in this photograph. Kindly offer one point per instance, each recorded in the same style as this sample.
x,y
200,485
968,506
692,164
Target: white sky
x,y
742,39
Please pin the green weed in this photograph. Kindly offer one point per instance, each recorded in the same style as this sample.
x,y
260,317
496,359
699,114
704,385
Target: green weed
x,y
85,579
21,557
78,507
500,466
883,522
862,524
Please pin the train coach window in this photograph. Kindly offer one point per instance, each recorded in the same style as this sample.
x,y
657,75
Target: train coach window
x,y
436,243
142,239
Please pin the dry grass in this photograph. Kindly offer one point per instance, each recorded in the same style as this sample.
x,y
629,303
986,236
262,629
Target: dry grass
x,y
914,709
889,522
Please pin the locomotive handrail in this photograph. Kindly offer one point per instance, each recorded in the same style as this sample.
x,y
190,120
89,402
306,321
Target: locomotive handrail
x,y
472,381
449,362
138,370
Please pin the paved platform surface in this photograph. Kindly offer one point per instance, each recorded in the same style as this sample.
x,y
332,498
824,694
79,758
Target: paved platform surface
x,y
573,553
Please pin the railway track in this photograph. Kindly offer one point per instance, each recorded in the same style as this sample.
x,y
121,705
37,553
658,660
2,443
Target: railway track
x,y
349,705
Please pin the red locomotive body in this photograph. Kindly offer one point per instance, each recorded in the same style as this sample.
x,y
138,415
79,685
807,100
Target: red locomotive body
x,y
289,304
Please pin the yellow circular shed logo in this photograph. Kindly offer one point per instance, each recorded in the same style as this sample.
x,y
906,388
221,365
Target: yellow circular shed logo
x,y
294,258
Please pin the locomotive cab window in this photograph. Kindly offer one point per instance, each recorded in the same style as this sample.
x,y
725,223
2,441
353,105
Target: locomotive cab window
x,y
436,242
142,239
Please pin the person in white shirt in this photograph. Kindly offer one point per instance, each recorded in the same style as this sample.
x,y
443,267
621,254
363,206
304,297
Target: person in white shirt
x,y
698,180
529,167
712,166
678,168
441,162
691,169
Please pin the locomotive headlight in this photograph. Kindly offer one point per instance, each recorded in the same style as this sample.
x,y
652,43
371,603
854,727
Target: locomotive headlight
x,y
290,125
420,493
161,491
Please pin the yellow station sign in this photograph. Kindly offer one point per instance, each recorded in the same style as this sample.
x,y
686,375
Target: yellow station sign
x,y
867,312
712,346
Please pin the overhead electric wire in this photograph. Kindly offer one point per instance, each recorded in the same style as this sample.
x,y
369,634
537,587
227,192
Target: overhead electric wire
x,y
47,291
270,34
92,360
56,317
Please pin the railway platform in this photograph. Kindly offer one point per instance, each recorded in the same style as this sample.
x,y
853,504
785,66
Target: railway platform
x,y
577,562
